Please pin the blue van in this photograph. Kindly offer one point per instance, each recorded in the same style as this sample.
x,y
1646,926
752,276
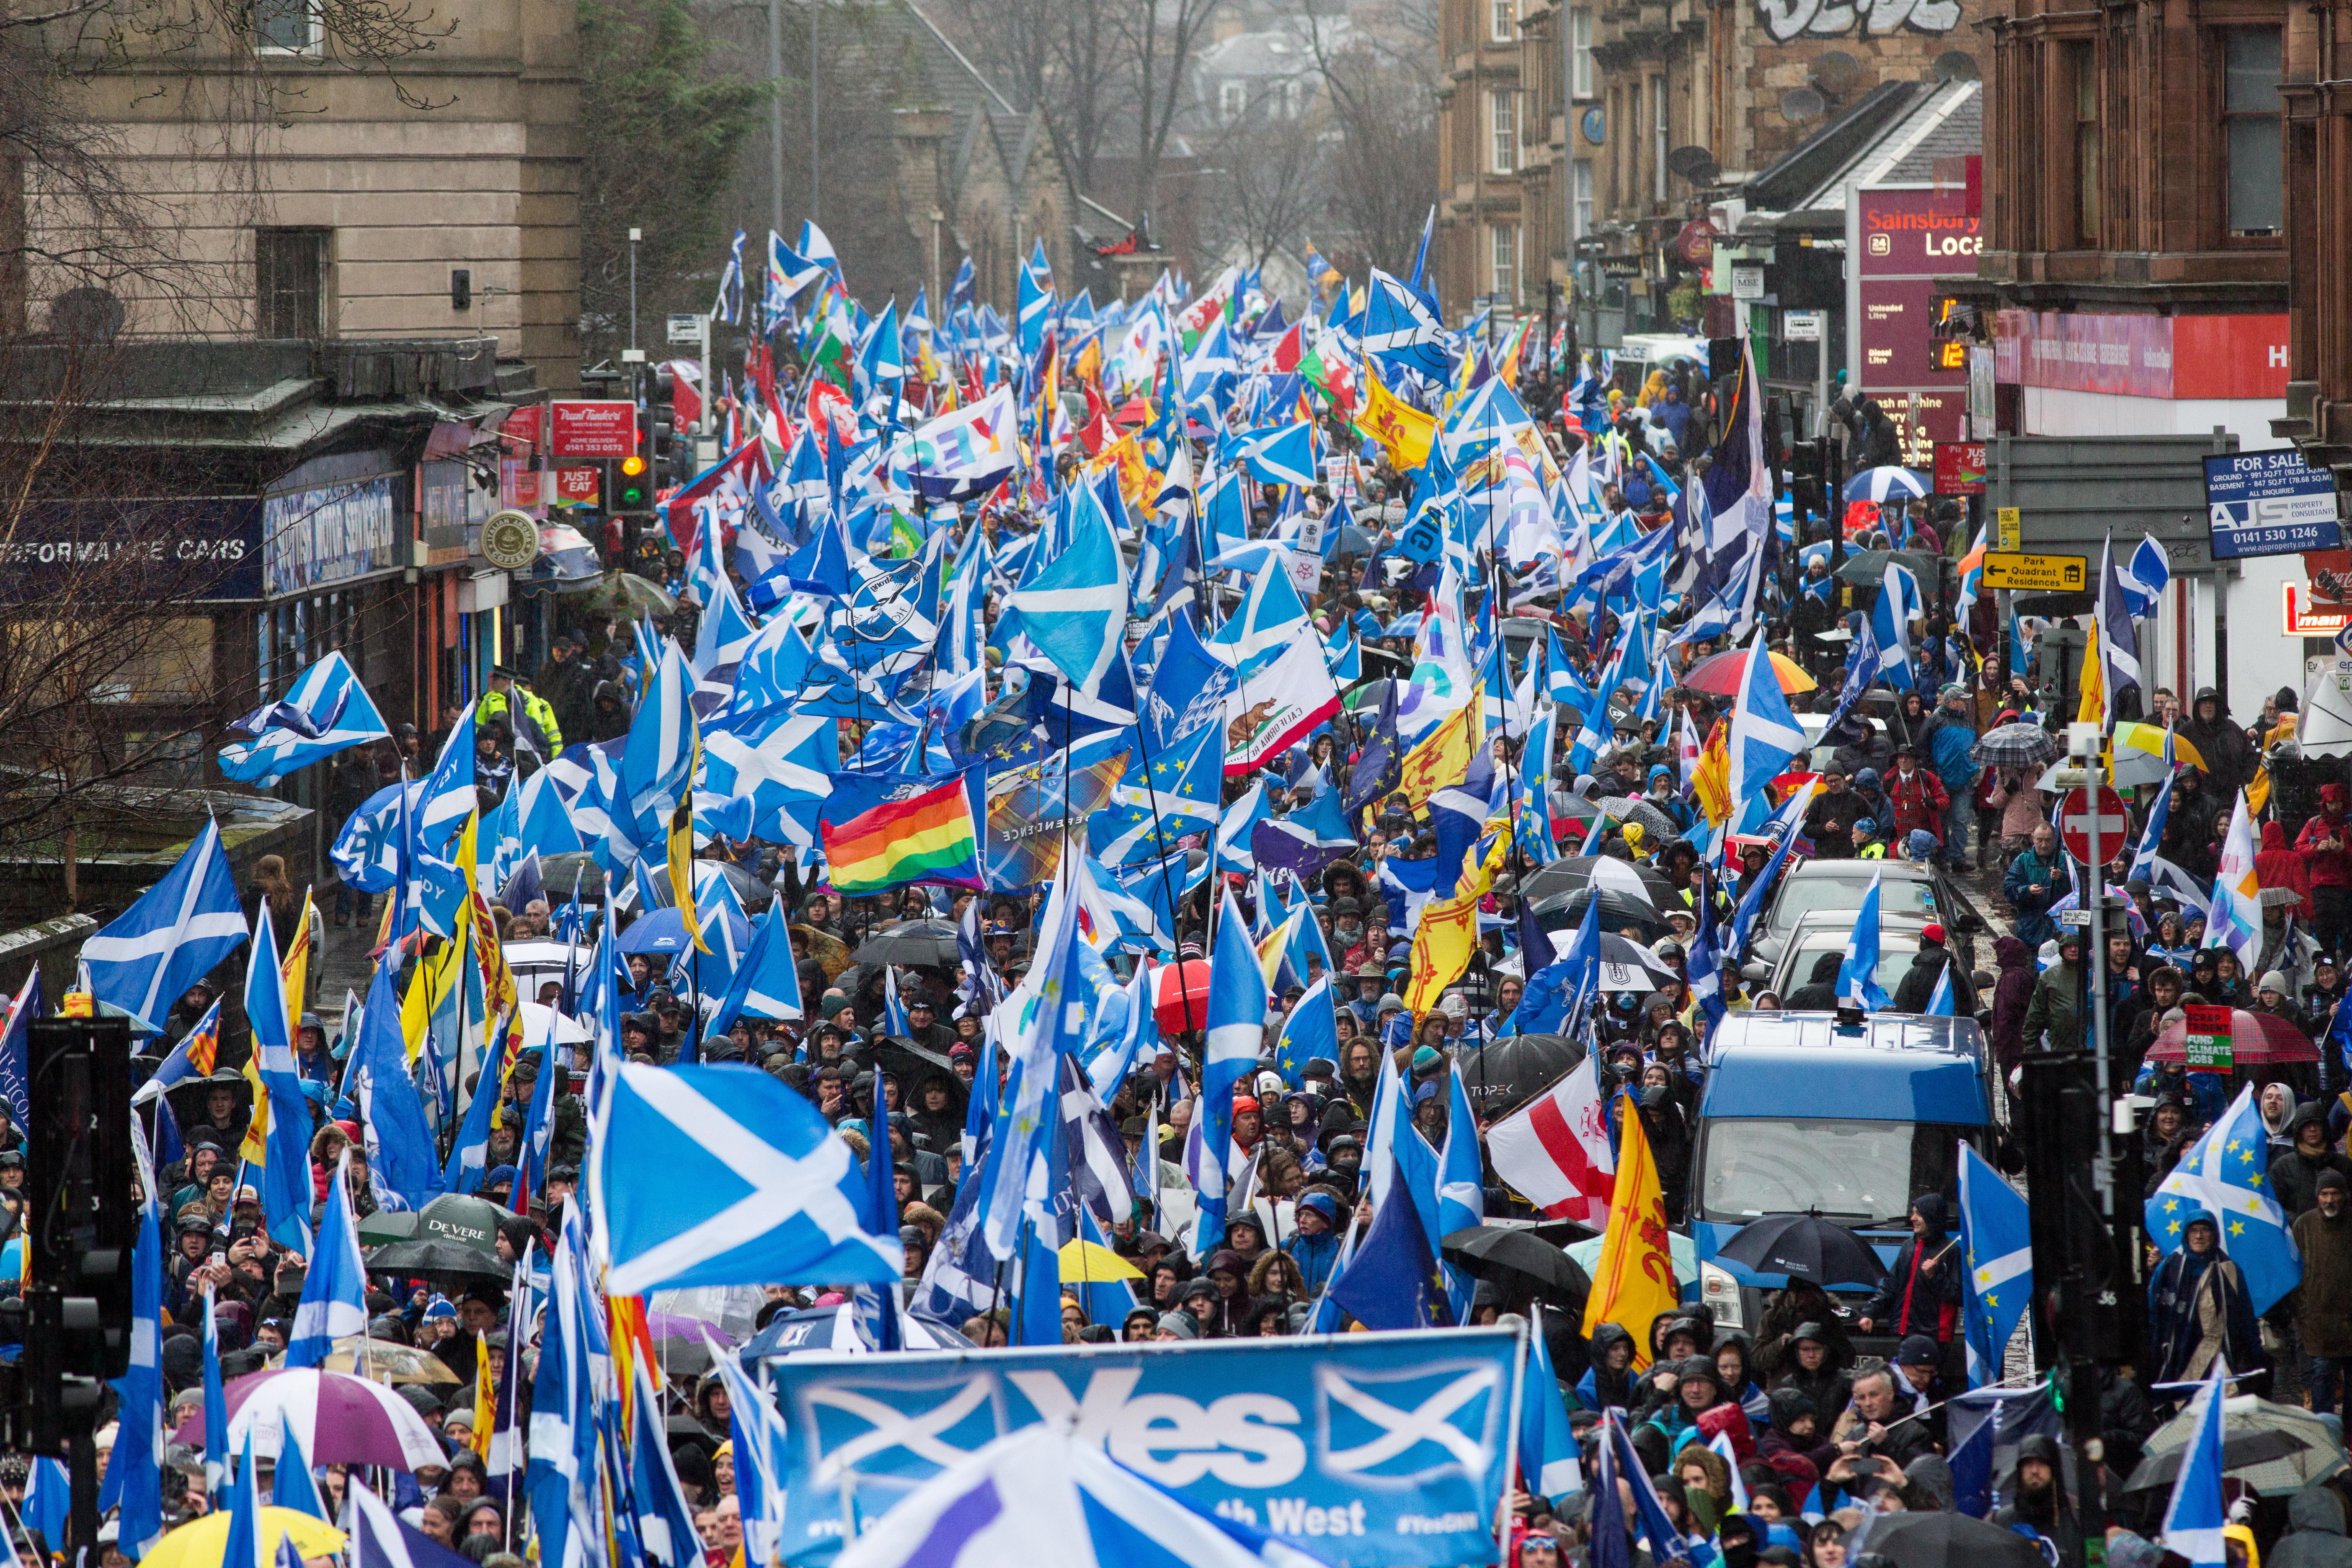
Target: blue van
x,y
1802,1114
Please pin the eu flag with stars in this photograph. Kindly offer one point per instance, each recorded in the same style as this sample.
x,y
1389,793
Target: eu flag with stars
x,y
2227,1174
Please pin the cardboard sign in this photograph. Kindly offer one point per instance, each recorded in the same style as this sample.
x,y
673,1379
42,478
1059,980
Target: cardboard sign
x,y
2208,1047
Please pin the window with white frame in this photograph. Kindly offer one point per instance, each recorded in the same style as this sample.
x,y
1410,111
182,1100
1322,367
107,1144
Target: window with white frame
x,y
1583,197
1502,117
1294,95
1503,276
1232,99
1580,54
1503,21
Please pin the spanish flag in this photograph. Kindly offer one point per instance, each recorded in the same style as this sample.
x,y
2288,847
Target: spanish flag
x,y
1405,431
1634,1281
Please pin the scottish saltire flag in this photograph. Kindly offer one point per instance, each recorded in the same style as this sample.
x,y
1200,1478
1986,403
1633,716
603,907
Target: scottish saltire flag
x,y
334,1291
1310,1029
173,936
1284,455
1764,735
48,1498
564,1399
2119,665
134,1475
2145,577
664,1523
399,1135
1858,980
715,1176
1044,1494
1075,606
379,1540
1405,334
2195,1517
1015,1180
291,1484
1460,1185
1238,1003
1549,1456
217,1470
1943,1003
789,273
763,1454
767,982
1996,1243
1036,301
326,711
2227,1174
1890,624
657,765
433,882
286,1168
2234,915
2159,813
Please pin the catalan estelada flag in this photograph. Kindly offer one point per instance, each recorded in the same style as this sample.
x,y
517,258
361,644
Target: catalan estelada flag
x,y
884,831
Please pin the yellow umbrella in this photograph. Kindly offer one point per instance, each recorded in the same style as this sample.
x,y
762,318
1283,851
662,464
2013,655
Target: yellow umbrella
x,y
204,1543
1092,1263
2149,738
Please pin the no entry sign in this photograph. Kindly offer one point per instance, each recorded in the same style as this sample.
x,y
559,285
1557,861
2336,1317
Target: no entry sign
x,y
2075,820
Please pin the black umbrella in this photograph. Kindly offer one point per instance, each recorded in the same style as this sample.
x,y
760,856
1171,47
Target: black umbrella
x,y
1805,1247
1502,1075
911,943
1509,1256
1565,912
438,1260
1948,1540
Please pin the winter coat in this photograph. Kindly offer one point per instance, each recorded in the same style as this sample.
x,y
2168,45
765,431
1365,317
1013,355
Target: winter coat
x,y
2277,865
2295,1176
2056,1009
2011,994
1600,1387
2328,868
2019,803
2322,1301
1917,989
2314,1537
1915,1300
2229,760
1919,799
2028,870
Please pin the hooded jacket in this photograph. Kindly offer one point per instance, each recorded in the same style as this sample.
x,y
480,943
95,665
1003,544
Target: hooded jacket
x,y
2013,993
1917,989
2328,868
2294,1175
2277,865
2229,760
1600,1387
1818,993
1915,1299
2314,1537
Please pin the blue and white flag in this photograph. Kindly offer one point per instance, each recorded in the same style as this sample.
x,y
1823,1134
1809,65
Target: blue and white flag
x,y
1075,607
720,1176
286,1167
665,1524
564,1399
2145,576
2227,1174
1858,980
173,936
326,711
334,1290
1764,734
1549,1456
767,982
2196,1515
378,1539
135,1476
2159,813
291,1484
17,1051
1405,334
1996,1243
1280,455
401,1162
1943,1003
763,1454
1238,1001
1784,828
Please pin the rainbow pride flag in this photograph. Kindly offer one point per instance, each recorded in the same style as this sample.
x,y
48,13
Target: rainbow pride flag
x,y
886,830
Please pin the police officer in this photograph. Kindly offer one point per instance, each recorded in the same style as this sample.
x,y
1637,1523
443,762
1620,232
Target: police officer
x,y
527,714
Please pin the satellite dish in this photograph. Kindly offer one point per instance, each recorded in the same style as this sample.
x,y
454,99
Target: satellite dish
x,y
1687,161
1958,65
1802,103
1836,72
86,315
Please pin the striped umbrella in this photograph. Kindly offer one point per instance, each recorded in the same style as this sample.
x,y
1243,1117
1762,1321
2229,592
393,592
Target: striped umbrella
x,y
1886,484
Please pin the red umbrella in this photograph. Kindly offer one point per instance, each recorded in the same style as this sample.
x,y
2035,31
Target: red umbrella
x,y
1180,996
1721,673
2254,1037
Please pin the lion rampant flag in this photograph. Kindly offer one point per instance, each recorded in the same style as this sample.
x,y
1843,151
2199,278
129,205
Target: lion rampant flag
x,y
1405,431
1712,777
1634,1281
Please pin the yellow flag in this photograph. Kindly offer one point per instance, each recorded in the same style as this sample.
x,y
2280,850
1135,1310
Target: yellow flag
x,y
1275,942
254,1150
486,1397
1712,777
1442,757
1441,944
294,971
1404,430
2093,708
1634,1281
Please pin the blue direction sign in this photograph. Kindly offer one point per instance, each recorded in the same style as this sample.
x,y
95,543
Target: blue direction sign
x,y
2269,503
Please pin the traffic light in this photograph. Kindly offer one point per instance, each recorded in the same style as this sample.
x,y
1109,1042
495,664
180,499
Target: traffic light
x,y
661,409
632,488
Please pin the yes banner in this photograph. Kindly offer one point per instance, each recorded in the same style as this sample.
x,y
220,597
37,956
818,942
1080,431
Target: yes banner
x,y
1379,1450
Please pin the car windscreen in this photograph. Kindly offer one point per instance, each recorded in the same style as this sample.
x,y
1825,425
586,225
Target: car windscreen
x,y
1803,895
1857,1171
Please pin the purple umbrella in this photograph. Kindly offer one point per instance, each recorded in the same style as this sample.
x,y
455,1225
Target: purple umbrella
x,y
679,1343
339,1420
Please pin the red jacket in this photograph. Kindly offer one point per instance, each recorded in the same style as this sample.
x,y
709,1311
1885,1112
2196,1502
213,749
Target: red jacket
x,y
2328,868
1918,798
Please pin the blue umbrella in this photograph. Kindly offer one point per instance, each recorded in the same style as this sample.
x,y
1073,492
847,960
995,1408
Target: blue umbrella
x,y
664,930
1884,484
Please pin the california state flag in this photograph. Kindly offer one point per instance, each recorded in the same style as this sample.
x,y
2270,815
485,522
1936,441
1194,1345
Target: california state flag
x,y
1554,1151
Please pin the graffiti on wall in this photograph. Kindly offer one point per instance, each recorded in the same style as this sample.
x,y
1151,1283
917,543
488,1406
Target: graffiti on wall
x,y
1786,20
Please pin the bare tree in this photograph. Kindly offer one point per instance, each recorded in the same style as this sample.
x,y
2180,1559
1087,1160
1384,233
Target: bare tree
x,y
1383,151
1269,170
1163,39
